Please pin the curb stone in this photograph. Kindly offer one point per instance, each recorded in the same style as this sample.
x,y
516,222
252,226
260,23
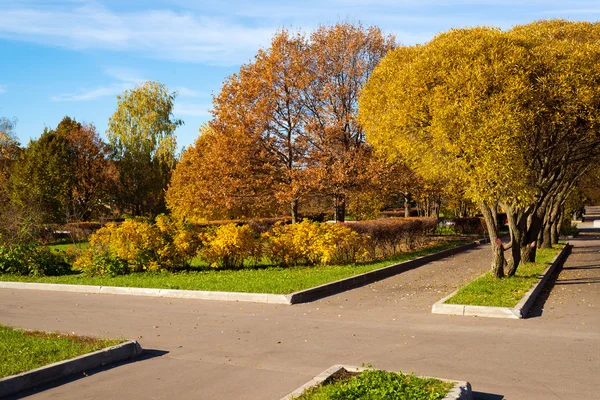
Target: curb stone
x,y
519,311
460,391
36,377
302,296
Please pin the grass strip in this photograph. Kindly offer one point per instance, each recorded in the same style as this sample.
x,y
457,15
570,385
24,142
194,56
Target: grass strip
x,y
273,280
506,292
22,351
374,384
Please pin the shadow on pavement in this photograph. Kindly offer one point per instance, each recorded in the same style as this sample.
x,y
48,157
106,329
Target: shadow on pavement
x,y
578,281
487,396
538,307
146,355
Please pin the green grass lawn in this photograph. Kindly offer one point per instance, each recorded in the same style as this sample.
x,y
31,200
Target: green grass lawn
x,y
69,246
374,384
505,292
22,351
253,280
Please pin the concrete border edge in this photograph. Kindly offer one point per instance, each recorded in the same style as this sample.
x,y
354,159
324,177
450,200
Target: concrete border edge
x,y
302,296
331,288
460,391
522,307
29,379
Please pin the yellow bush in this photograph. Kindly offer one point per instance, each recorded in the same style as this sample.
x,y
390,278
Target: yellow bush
x,y
134,242
139,246
229,245
308,243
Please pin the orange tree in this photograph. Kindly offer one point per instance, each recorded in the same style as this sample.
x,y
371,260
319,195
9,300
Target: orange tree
x,y
284,128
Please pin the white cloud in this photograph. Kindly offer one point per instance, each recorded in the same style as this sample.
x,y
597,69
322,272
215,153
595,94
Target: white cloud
x,y
123,74
127,79
92,94
191,110
162,34
183,91
3,89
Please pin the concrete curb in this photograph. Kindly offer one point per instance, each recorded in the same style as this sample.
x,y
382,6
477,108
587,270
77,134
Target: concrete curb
x,y
460,391
342,285
151,292
517,312
36,377
302,296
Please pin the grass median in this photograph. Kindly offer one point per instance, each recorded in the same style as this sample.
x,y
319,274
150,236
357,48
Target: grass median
x,y
374,384
506,292
22,351
273,280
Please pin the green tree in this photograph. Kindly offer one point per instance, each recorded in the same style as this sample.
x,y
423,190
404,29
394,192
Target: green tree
x,y
63,176
41,177
142,135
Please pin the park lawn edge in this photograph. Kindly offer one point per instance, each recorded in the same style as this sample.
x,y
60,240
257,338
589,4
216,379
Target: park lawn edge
x,y
273,280
24,350
432,385
456,389
506,292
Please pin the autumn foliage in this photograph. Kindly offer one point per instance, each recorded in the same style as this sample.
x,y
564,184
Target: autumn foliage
x,y
284,129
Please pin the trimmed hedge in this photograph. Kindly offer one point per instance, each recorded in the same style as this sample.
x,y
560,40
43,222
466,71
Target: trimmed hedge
x,y
469,226
391,236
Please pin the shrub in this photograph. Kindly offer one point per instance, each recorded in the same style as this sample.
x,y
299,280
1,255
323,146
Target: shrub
x,y
136,246
568,228
179,243
391,235
100,263
135,243
308,243
227,246
469,225
32,259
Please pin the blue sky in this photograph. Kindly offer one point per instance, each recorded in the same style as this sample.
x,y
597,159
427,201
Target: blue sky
x,y
72,57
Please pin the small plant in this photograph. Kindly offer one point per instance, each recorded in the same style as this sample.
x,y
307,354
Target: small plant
x,y
376,384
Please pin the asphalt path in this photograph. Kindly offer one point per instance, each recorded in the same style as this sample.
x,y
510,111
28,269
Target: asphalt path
x,y
201,349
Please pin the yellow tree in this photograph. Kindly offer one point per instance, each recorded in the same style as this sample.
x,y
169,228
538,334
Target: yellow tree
x,y
449,108
508,115
563,137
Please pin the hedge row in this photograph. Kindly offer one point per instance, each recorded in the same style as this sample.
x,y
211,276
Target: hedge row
x,y
388,237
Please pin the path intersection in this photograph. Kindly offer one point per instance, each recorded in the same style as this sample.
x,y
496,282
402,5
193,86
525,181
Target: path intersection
x,y
227,350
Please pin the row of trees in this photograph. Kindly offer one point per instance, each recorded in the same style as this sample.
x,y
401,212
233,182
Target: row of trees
x,y
69,174
343,118
285,133
512,117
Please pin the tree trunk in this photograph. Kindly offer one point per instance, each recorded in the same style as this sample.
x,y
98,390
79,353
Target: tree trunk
x,y
534,224
547,235
294,209
406,205
340,208
555,231
517,224
498,260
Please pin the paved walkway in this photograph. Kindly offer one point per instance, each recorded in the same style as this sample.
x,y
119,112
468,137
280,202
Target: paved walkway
x,y
220,350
